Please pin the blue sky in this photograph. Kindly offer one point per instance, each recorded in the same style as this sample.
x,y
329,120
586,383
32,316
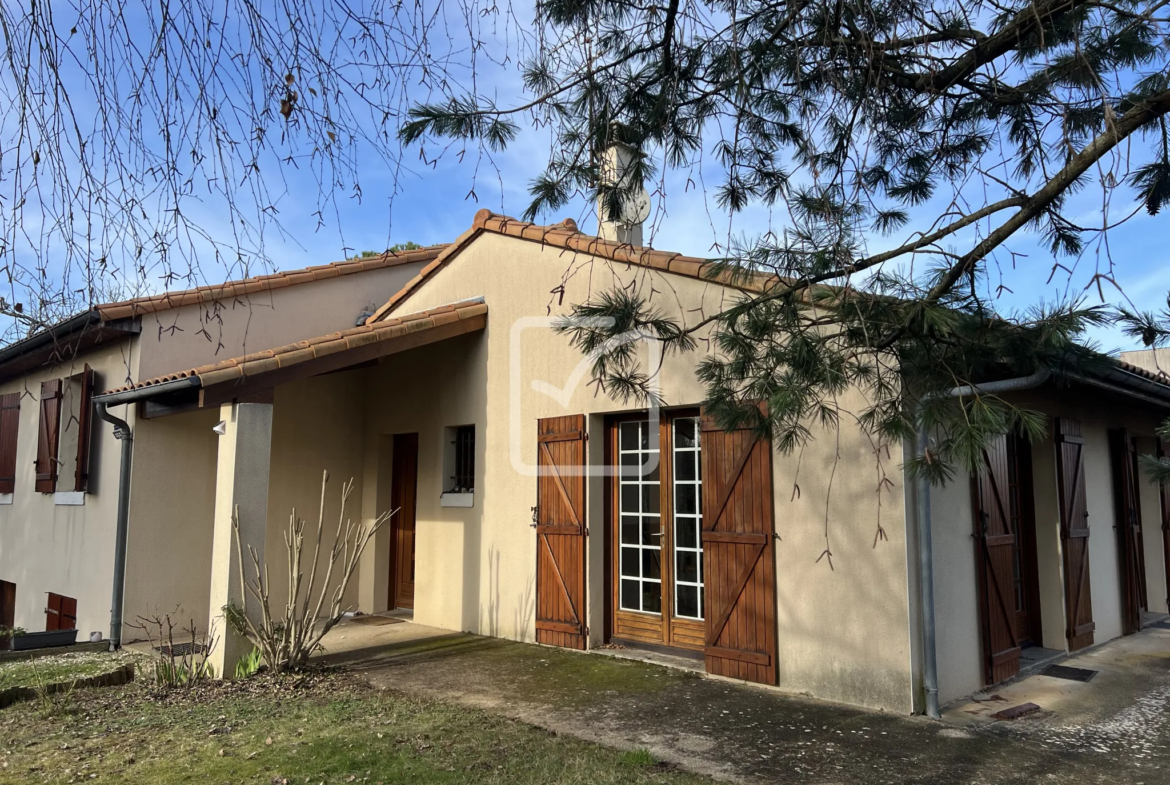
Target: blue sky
x,y
430,201
433,205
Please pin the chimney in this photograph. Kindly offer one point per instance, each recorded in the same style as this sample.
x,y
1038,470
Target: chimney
x,y
615,171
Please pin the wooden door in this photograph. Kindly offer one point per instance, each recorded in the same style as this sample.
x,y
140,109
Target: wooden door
x,y
1164,495
1074,533
738,554
60,613
655,521
559,521
403,492
1128,522
997,560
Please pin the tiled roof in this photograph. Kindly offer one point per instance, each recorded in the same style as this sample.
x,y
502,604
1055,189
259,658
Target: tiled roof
x,y
565,235
262,283
303,351
1159,376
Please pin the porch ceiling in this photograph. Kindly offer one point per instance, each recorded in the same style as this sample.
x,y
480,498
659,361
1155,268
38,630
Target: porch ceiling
x,y
241,377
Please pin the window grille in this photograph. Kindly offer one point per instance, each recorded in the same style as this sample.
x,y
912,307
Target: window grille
x,y
464,478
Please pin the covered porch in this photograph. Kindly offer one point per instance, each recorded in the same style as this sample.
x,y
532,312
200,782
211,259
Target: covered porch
x,y
1058,545
255,435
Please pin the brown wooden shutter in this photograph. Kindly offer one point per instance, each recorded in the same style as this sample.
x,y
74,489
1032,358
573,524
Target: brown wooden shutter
x,y
53,612
739,568
7,605
48,433
9,428
1074,533
1164,493
68,618
1128,523
84,417
996,545
560,532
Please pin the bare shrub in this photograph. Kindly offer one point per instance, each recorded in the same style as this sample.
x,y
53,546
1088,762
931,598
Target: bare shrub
x,y
181,656
285,642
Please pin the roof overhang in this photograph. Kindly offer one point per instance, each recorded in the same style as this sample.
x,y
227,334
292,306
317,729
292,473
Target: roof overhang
x,y
254,376
1127,380
62,342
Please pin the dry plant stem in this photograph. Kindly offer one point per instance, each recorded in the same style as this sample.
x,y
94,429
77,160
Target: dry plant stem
x,y
286,643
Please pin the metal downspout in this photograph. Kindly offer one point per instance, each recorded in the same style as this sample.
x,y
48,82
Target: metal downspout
x,y
123,433
926,550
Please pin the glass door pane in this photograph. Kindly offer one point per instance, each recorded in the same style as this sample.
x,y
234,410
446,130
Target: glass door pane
x,y
686,478
640,529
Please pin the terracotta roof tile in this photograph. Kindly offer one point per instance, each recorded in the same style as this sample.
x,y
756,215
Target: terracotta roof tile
x,y
263,283
303,351
563,235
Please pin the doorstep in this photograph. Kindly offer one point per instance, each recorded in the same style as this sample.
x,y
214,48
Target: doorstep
x,y
655,657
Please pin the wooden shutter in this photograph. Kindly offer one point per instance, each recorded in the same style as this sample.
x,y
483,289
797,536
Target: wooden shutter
x,y
1164,493
560,532
996,551
7,604
1074,533
68,618
84,417
739,568
1128,522
50,427
9,427
53,612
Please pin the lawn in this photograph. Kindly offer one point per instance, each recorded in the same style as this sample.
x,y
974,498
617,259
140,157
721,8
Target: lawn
x,y
55,668
318,728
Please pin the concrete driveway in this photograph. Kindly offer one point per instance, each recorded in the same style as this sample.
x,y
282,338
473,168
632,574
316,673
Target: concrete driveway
x,y
1110,730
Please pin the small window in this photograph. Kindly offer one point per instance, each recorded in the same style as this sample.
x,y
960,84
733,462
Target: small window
x,y
459,466
464,477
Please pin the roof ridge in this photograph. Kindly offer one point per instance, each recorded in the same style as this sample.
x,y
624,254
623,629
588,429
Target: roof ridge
x,y
261,283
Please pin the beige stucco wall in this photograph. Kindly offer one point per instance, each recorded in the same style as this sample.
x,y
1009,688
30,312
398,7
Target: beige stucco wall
x,y
843,632
172,501
956,596
195,335
318,425
47,547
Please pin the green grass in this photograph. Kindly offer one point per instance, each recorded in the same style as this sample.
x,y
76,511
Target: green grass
x,y
316,729
55,668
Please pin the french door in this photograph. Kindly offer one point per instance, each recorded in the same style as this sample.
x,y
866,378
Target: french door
x,y
655,509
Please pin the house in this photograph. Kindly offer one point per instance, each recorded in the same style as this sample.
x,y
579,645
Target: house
x,y
459,406
60,464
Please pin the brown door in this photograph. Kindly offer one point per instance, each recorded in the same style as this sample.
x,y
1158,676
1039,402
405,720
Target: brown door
x,y
996,532
403,490
60,613
1074,533
559,521
655,540
1128,517
738,554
